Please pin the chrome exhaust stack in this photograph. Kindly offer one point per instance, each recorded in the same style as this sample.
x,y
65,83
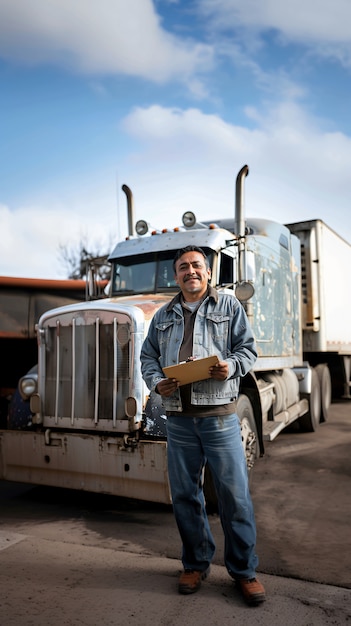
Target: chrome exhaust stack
x,y
244,289
130,209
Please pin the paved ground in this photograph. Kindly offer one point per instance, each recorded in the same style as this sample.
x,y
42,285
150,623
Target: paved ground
x,y
302,496
55,583
69,558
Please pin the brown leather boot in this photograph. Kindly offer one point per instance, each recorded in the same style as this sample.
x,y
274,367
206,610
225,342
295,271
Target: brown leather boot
x,y
190,580
252,590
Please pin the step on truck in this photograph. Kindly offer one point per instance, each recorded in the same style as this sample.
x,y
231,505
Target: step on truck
x,y
94,424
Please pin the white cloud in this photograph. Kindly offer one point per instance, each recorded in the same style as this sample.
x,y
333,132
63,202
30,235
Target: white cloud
x,y
322,24
298,171
301,20
285,130
188,160
105,37
32,236
185,132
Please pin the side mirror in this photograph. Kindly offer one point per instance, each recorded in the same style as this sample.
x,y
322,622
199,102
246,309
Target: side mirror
x,y
244,291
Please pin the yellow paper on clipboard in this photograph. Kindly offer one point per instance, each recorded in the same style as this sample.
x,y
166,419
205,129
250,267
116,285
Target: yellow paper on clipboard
x,y
191,371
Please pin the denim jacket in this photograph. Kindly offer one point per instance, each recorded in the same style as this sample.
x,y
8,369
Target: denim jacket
x,y
221,327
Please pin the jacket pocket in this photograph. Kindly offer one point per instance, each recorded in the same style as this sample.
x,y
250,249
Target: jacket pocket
x,y
218,329
164,332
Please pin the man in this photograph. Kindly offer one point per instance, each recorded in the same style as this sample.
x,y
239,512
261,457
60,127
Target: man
x,y
202,425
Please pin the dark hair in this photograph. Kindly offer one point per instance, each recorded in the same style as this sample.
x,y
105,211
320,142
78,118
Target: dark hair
x,y
182,251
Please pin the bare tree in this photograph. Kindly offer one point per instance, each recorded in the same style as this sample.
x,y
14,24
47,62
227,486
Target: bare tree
x,y
78,259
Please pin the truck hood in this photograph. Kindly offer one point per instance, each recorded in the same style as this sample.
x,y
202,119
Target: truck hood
x,y
149,304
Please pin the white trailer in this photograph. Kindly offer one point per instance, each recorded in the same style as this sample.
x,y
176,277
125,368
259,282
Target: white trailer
x,y
325,262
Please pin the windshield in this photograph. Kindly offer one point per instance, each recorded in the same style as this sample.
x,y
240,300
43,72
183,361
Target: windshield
x,y
145,273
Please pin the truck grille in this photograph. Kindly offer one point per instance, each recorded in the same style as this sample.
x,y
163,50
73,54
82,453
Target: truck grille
x,y
86,369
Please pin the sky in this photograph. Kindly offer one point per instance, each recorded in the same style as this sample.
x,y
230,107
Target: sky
x,y
172,98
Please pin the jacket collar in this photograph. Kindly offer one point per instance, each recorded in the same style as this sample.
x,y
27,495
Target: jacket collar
x,y
211,293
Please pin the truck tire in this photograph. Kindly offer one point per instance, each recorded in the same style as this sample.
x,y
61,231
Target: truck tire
x,y
248,430
325,384
309,422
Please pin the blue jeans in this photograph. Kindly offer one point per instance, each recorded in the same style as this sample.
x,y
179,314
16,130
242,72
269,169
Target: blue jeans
x,y
191,442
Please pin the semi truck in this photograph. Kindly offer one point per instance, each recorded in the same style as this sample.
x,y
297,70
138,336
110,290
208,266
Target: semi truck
x,y
94,424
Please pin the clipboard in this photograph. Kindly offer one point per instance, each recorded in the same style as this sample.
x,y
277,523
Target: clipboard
x,y
191,371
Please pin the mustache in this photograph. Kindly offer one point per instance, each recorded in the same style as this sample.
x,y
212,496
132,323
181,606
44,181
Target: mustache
x,y
191,277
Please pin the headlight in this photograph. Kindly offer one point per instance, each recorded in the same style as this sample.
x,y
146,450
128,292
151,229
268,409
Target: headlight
x,y
28,386
188,219
141,227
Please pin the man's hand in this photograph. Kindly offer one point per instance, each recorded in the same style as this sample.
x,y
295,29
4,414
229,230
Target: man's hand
x,y
219,371
167,386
